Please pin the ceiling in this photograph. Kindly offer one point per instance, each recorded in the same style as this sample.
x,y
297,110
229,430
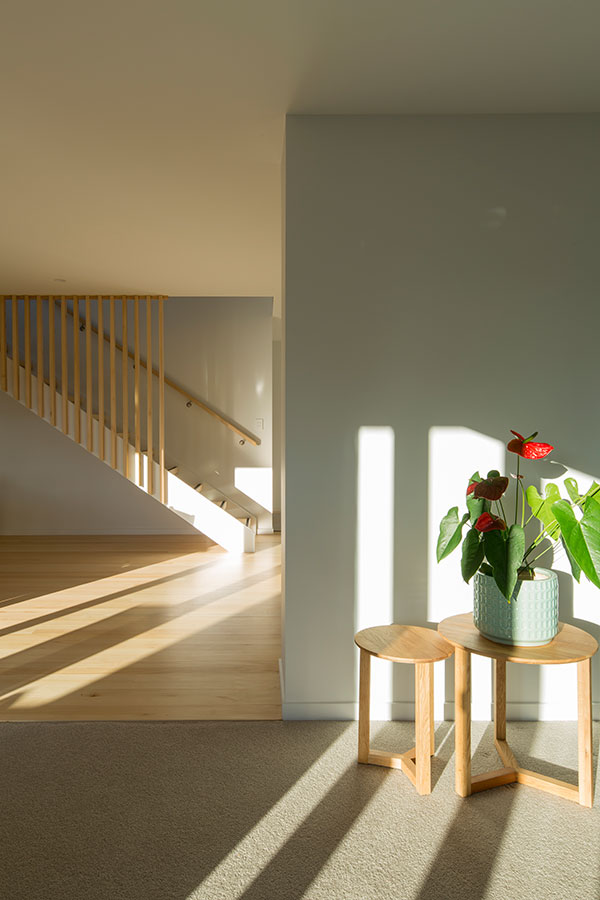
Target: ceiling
x,y
141,140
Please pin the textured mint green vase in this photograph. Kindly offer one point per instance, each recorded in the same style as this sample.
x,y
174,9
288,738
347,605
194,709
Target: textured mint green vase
x,y
531,617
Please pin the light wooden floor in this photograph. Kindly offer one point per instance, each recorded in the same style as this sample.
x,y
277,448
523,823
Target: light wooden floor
x,y
138,628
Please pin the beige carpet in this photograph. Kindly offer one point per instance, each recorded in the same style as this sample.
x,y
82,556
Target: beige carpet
x,y
280,811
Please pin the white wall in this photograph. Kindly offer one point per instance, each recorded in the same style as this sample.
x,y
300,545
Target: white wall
x,y
221,350
51,485
441,274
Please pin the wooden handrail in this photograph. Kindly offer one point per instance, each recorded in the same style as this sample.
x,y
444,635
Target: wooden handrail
x,y
80,366
190,398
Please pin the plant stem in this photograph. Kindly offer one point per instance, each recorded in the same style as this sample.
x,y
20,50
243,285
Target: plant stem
x,y
538,556
517,489
582,499
523,507
541,536
502,508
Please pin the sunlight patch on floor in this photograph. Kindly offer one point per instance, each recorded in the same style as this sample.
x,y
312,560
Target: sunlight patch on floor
x,y
245,862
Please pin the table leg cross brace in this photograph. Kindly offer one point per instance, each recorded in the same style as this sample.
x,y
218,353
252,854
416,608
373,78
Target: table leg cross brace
x,y
513,772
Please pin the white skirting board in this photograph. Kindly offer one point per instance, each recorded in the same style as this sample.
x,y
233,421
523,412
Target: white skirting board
x,y
536,712
347,712
405,712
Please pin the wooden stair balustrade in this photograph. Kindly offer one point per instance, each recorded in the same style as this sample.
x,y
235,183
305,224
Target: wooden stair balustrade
x,y
66,379
77,368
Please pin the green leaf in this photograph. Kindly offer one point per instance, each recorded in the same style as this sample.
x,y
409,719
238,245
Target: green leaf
x,y
582,539
450,533
575,567
542,508
474,477
516,550
590,529
591,507
476,506
493,473
495,553
505,556
486,569
572,489
472,554
594,491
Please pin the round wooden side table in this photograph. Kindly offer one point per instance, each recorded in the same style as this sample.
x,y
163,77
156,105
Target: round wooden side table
x,y
404,644
571,645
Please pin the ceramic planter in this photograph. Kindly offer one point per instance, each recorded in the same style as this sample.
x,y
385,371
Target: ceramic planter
x,y
531,617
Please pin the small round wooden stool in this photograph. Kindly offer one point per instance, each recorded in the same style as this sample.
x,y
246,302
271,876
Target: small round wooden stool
x,y
404,644
571,645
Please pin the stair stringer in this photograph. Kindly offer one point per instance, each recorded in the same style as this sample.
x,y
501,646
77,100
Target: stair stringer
x,y
203,515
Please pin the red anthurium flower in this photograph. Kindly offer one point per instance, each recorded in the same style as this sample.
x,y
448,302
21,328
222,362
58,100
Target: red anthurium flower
x,y
488,522
491,488
527,448
473,482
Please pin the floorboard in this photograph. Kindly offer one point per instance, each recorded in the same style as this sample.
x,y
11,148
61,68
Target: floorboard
x,y
101,628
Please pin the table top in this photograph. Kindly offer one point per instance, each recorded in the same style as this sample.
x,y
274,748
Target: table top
x,y
404,643
571,644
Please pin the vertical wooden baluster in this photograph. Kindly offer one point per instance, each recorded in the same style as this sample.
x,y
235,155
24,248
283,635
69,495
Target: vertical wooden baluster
x,y
149,452
52,359
76,372
15,348
3,377
89,401
64,360
40,356
101,378
136,388
124,373
113,386
27,334
161,400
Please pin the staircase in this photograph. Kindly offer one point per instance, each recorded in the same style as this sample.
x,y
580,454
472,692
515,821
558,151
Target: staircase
x,y
109,399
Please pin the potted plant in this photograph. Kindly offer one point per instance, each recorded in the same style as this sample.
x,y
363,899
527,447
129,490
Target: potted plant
x,y
516,602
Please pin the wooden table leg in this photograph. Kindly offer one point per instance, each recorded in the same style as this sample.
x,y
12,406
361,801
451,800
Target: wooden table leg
x,y
431,713
364,707
462,703
500,699
423,672
584,731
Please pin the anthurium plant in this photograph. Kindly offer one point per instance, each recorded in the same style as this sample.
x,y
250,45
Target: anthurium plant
x,y
494,547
